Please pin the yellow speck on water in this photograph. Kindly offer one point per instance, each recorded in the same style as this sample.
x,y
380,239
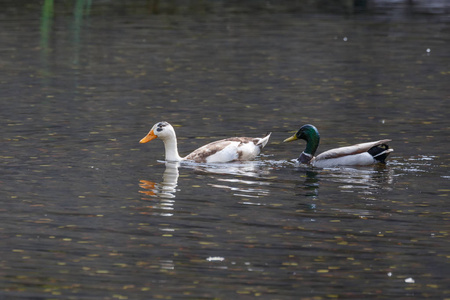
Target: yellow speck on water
x,y
206,243
322,271
128,286
243,292
196,186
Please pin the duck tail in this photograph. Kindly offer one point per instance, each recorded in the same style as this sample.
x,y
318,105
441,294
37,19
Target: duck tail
x,y
263,141
380,152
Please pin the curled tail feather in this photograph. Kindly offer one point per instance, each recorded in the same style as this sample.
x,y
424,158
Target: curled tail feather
x,y
263,141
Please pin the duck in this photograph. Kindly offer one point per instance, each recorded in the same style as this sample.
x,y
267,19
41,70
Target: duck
x,y
363,154
222,151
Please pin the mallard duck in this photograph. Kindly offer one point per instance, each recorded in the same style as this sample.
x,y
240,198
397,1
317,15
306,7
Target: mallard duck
x,y
355,155
227,150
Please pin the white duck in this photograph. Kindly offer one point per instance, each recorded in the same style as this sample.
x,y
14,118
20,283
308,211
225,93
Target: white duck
x,y
227,150
356,155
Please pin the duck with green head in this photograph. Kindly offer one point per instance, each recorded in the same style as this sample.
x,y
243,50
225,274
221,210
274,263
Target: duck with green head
x,y
356,155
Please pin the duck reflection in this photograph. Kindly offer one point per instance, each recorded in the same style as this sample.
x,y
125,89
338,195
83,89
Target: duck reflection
x,y
247,179
362,182
164,190
362,179
241,184
365,180
311,184
254,169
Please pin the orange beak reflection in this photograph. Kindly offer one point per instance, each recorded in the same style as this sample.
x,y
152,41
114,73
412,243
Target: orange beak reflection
x,y
150,136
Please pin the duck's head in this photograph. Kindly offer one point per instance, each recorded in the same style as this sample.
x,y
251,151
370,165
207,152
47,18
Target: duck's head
x,y
310,134
162,130
307,132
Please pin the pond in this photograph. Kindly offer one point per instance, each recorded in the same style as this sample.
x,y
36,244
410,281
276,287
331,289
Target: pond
x,y
89,213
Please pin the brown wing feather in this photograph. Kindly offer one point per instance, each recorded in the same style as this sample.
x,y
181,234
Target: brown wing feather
x,y
349,150
202,153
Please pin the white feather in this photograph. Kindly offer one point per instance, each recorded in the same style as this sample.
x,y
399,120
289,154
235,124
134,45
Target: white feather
x,y
361,159
229,153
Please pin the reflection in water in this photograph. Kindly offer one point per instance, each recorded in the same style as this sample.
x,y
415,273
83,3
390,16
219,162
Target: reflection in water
x,y
252,188
362,182
355,179
45,28
360,179
252,192
82,8
237,184
168,187
247,168
165,190
311,184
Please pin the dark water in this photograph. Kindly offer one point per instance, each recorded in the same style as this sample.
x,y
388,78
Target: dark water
x,y
88,213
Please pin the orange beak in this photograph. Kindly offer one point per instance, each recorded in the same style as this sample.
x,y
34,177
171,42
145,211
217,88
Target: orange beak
x,y
150,136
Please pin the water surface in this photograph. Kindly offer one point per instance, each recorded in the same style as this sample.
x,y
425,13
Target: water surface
x,y
89,213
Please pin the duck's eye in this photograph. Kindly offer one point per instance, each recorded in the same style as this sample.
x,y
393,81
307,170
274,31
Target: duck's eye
x,y
159,129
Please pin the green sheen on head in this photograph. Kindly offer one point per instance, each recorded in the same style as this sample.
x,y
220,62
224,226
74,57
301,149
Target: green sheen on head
x,y
310,134
307,131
